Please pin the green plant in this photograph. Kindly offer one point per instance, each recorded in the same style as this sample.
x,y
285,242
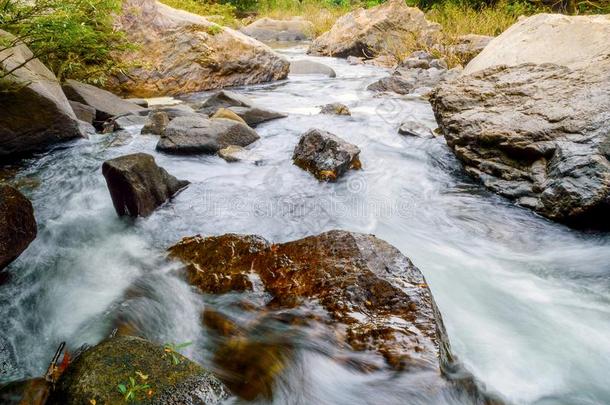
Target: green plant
x,y
173,349
217,12
132,389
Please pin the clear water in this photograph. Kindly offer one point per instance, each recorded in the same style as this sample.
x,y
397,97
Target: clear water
x,y
526,302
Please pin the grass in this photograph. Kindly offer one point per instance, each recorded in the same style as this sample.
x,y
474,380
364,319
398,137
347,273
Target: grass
x,y
223,14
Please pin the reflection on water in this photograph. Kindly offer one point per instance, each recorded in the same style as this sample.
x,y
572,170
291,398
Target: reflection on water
x,y
526,302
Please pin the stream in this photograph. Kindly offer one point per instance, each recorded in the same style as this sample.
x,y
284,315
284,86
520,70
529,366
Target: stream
x,y
526,302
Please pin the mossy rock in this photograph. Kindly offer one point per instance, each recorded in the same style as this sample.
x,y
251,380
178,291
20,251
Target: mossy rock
x,y
95,376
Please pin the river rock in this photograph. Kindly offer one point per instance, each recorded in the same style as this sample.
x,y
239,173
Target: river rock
x,y
156,123
96,374
193,135
376,299
240,105
325,155
270,30
36,113
137,185
106,104
416,129
538,134
227,114
391,27
336,109
142,102
308,67
83,112
234,153
17,224
181,52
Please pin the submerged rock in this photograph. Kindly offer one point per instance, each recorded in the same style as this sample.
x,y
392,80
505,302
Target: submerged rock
x,y
137,185
17,224
390,27
325,155
183,53
336,109
35,114
270,30
376,299
307,67
416,129
240,105
96,374
193,135
234,153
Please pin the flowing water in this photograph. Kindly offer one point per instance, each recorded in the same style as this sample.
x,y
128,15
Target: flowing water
x,y
526,302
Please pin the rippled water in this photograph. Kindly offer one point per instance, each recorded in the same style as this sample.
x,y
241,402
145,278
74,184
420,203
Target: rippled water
x,y
526,302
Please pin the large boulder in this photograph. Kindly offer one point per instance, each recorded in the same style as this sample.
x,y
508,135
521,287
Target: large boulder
x,y
36,113
197,134
182,52
270,30
373,298
391,27
137,185
240,105
17,224
95,376
325,155
106,104
577,42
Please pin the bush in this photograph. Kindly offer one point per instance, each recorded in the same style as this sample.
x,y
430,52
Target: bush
x,y
73,38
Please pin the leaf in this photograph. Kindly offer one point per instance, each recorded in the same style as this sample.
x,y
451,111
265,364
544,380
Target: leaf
x,y
183,345
122,388
144,377
132,381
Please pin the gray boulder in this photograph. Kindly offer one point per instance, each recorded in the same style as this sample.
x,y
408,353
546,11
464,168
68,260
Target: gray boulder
x,y
270,30
308,67
325,155
137,185
538,134
17,224
34,112
83,112
197,134
106,104
240,105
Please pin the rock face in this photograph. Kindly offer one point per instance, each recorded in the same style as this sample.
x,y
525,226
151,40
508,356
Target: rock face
x,y
37,113
325,155
538,134
308,67
270,30
336,109
240,105
106,104
193,135
390,27
375,299
17,224
83,112
137,185
95,375
182,53
577,42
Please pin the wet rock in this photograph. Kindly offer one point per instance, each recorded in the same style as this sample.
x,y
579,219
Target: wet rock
x,y
240,105
376,300
156,123
307,67
416,129
34,391
142,102
121,138
17,224
325,155
186,53
227,114
234,153
96,374
193,135
371,32
124,122
106,104
137,185
335,108
354,60
270,30
36,114
83,112
537,134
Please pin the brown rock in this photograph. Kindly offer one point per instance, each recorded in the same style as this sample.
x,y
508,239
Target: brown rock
x,y
17,224
270,30
228,114
156,123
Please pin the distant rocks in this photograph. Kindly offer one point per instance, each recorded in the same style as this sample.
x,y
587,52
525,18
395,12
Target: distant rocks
x,y
270,30
17,224
240,105
137,185
325,155
372,32
37,114
335,109
308,67
197,134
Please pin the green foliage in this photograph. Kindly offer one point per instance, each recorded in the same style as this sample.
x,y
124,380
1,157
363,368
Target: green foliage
x,y
73,38
218,12
172,349
132,390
